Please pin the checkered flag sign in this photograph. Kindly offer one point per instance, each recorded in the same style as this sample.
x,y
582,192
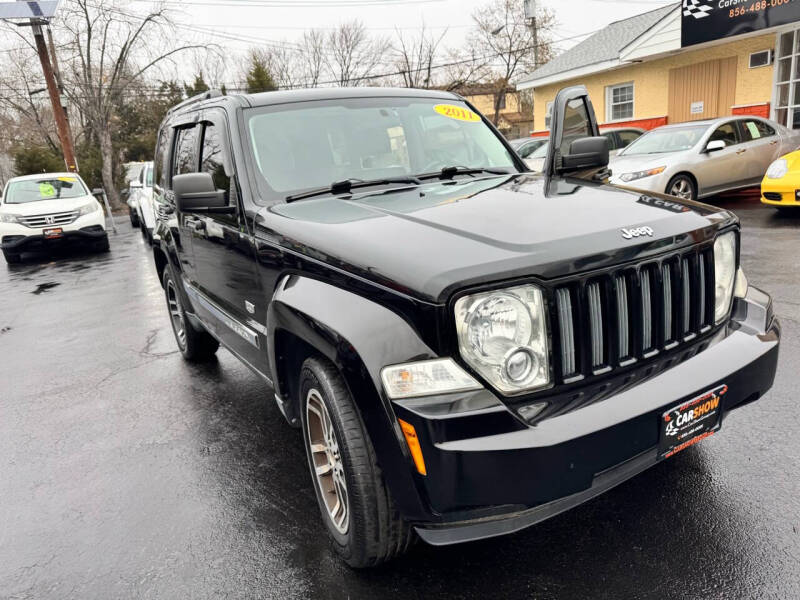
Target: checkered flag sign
x,y
696,8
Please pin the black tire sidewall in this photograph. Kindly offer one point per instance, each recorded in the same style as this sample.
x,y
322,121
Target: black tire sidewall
x,y
169,276
311,378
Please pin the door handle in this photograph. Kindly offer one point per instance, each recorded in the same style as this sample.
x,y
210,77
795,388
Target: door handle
x,y
773,142
742,151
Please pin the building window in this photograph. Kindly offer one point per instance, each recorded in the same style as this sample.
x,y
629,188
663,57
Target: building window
x,y
760,59
787,80
548,114
619,102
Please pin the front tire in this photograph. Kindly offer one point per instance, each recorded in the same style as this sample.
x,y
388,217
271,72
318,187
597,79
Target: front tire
x,y
683,187
196,346
12,258
357,508
134,218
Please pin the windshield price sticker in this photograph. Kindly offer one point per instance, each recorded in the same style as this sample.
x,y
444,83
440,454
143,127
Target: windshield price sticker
x,y
457,112
692,421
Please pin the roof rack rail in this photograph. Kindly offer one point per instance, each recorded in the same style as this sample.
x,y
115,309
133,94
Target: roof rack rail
x,y
195,99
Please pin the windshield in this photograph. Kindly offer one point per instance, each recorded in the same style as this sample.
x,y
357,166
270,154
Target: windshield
x,y
309,145
149,177
45,188
672,139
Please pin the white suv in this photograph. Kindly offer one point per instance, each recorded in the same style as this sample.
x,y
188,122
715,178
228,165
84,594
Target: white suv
x,y
48,210
142,193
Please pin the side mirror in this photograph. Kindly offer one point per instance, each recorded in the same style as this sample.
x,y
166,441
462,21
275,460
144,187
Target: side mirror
x,y
586,153
135,184
715,146
195,192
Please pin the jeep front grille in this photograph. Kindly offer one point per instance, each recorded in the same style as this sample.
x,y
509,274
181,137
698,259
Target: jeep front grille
x,y
631,314
50,220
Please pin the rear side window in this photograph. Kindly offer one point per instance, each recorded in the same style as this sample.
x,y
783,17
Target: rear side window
x,y
185,158
160,161
213,157
755,130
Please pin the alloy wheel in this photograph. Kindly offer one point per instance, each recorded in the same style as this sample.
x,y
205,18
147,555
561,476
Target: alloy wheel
x,y
682,189
326,460
176,314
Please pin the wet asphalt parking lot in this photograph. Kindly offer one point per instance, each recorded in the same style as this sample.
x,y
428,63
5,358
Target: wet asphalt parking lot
x,y
127,473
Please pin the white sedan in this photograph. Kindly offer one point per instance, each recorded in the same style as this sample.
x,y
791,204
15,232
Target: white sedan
x,y
700,158
47,211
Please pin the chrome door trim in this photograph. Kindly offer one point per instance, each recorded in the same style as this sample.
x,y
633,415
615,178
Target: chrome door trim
x,y
239,328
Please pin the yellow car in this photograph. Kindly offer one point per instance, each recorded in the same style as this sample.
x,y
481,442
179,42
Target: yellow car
x,y
781,185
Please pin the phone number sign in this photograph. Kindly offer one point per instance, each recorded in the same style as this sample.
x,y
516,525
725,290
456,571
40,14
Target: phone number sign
x,y
707,20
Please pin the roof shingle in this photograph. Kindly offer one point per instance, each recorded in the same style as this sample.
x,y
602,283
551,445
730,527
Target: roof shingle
x,y
604,45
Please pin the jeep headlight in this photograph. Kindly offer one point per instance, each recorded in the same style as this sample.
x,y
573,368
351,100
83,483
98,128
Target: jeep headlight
x,y
778,169
89,208
503,336
724,274
9,218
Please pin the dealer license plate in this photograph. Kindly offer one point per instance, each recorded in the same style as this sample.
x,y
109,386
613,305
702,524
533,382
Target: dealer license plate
x,y
52,233
692,421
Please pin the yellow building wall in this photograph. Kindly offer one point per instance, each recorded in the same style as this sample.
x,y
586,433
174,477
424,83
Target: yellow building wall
x,y
651,80
485,103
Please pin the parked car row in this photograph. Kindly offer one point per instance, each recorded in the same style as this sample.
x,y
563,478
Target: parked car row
x,y
698,159
140,201
534,150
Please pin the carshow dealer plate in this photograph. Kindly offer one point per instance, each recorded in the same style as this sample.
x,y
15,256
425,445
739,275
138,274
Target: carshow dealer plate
x,y
692,421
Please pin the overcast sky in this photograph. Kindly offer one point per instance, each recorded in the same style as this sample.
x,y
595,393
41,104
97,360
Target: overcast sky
x,y
250,20
237,25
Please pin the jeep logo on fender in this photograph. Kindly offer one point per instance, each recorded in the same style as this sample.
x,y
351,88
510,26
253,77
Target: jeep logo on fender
x,y
629,234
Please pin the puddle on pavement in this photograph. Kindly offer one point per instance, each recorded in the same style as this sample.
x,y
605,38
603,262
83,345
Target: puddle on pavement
x,y
43,287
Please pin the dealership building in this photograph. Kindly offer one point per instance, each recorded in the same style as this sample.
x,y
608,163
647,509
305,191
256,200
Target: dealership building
x,y
697,59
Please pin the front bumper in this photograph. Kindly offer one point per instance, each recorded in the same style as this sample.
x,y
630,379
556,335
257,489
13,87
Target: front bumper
x,y
21,243
781,192
489,485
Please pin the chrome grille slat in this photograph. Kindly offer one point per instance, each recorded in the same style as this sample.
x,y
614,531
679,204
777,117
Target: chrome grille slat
x,y
687,296
633,313
701,296
647,312
564,304
666,287
622,316
55,219
596,324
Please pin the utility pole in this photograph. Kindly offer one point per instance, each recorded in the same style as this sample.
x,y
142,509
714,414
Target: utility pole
x,y
59,113
530,16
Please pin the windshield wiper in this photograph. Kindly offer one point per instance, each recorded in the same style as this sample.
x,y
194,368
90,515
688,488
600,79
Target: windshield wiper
x,y
348,185
450,172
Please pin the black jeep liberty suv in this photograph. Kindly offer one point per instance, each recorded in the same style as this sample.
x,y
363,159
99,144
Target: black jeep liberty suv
x,y
468,348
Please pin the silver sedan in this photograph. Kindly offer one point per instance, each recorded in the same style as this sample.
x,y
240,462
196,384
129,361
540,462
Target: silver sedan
x,y
700,158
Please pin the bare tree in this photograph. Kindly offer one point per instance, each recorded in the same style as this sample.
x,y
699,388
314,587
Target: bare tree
x,y
352,56
111,51
504,36
463,67
311,58
415,57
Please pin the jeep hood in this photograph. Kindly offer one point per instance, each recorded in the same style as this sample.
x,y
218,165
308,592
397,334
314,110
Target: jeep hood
x,y
431,240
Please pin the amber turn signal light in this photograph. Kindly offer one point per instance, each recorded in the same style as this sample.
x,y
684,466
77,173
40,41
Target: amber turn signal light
x,y
413,445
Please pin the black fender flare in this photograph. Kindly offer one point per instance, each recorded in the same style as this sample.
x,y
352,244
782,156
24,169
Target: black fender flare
x,y
359,337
